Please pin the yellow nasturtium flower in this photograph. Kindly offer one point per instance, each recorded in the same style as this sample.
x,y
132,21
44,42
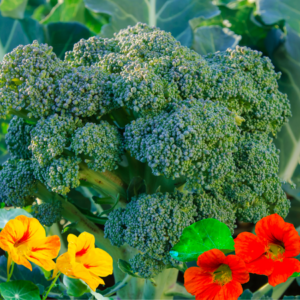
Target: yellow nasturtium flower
x,y
84,261
25,241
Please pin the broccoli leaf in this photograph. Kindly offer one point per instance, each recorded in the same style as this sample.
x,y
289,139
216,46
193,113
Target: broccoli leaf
x,y
286,56
273,11
210,39
202,236
172,15
19,289
13,8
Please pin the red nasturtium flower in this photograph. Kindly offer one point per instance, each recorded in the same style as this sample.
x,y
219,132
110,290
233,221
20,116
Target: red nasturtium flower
x,y
270,252
25,241
217,278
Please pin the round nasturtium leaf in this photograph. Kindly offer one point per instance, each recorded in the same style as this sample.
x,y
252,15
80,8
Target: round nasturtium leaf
x,y
200,237
19,289
9,214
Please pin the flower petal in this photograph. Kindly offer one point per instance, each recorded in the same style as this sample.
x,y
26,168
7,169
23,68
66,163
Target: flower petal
x,y
98,262
200,284
81,272
47,264
238,268
230,291
11,233
81,245
47,248
211,260
291,240
249,247
261,266
283,270
20,259
63,263
271,229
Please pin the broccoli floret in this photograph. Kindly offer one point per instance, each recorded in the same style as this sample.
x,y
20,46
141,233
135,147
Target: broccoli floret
x,y
47,213
51,136
18,138
17,182
145,266
217,206
153,223
256,187
247,83
28,77
115,226
60,175
102,143
80,93
195,141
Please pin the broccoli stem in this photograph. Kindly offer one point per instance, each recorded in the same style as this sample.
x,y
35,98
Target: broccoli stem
x,y
23,114
106,182
164,281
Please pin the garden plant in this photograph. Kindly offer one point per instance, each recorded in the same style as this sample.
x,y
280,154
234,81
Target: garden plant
x,y
136,137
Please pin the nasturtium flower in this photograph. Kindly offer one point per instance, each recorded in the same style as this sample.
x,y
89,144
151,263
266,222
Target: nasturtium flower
x,y
25,241
217,278
84,261
270,252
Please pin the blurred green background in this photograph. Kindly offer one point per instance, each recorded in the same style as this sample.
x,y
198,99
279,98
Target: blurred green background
x,y
270,26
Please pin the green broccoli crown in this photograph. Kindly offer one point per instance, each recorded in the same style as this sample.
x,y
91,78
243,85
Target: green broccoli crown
x,y
17,182
153,223
217,206
59,175
195,141
47,213
28,78
51,136
80,92
256,187
145,266
247,84
102,143
18,138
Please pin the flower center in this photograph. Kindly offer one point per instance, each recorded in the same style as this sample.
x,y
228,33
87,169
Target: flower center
x,y
275,252
222,275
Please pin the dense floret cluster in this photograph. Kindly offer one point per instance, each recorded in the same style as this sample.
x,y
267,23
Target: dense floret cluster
x,y
142,105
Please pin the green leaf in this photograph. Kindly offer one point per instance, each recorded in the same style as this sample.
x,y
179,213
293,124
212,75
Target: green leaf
x,y
106,212
295,274
19,289
284,51
9,214
69,226
113,289
210,39
137,186
75,287
62,36
125,267
172,16
179,291
247,295
273,11
13,8
202,236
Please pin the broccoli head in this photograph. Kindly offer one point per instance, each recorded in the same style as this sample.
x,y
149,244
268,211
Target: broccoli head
x,y
18,138
47,213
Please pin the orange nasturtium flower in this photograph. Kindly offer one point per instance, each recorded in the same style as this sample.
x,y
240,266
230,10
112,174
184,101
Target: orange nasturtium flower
x,y
25,241
270,252
217,278
84,261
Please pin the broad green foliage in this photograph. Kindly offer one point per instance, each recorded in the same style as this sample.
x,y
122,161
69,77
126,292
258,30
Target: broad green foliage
x,y
273,11
9,214
19,289
210,39
202,236
13,8
171,16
